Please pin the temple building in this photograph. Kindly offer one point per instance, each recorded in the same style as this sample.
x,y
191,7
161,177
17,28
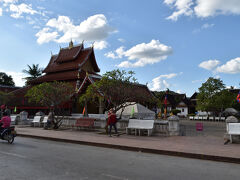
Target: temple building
x,y
76,65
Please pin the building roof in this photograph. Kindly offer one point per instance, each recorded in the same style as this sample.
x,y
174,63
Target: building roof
x,y
68,54
71,59
59,76
194,96
5,88
234,91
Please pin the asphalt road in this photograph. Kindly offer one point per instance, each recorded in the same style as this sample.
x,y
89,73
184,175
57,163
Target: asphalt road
x,y
39,160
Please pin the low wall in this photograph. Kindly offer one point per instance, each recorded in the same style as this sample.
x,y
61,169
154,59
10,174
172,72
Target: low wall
x,y
100,122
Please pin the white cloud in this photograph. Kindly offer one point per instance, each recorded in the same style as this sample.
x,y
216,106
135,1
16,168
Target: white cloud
x,y
9,1
206,8
167,76
183,7
45,36
0,11
94,28
30,20
121,40
17,77
202,8
197,81
206,26
209,65
203,27
143,54
118,53
100,45
231,67
110,55
159,83
18,10
36,27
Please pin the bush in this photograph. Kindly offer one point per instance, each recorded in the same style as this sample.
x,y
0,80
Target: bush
x,y
175,111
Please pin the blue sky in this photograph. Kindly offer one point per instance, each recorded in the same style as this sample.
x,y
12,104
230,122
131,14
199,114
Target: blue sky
x,y
175,44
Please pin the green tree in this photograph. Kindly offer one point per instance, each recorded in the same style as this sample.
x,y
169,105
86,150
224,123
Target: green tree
x,y
51,95
33,71
115,89
213,96
6,80
223,100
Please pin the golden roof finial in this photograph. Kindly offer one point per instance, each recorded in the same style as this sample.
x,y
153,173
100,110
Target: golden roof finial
x,y
71,44
86,73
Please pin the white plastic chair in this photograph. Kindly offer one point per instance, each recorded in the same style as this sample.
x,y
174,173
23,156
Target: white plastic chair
x,y
36,120
44,122
13,119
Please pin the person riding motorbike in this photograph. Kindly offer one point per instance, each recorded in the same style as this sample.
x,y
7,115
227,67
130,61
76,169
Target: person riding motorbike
x,y
5,122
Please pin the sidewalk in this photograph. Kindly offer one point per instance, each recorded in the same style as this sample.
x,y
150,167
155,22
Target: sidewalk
x,y
201,147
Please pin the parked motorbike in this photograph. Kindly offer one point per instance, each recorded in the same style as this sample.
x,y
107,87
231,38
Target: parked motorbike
x,y
8,134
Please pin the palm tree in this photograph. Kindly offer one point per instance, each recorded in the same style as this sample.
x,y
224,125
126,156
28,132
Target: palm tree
x,y
33,71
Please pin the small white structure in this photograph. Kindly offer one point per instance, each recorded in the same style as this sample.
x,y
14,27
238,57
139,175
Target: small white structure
x,y
182,106
136,110
232,127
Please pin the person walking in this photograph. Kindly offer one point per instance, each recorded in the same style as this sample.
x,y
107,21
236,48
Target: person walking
x,y
112,120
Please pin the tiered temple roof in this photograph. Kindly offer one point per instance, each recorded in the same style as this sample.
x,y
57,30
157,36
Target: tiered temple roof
x,y
70,64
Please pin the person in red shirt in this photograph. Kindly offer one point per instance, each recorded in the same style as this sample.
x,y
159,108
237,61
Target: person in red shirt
x,y
112,120
5,122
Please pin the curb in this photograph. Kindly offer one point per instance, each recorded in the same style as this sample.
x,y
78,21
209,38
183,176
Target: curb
x,y
138,149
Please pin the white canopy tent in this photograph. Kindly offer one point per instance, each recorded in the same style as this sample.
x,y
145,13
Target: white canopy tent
x,y
137,111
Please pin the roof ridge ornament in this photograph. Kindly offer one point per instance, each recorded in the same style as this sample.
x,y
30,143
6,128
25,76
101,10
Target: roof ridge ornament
x,y
70,44
93,44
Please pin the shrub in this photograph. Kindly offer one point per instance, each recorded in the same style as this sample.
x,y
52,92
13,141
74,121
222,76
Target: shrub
x,y
175,111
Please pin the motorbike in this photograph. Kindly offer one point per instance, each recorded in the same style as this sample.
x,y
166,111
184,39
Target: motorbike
x,y
8,134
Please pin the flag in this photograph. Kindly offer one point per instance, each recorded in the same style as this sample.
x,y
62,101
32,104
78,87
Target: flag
x,y
83,111
132,113
15,109
165,100
238,97
109,101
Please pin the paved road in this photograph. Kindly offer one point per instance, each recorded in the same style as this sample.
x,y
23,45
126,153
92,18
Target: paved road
x,y
42,160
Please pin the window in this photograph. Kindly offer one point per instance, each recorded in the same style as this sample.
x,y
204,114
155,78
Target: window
x,y
182,110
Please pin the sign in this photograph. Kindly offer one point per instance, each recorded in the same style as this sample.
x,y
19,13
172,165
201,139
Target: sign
x,y
199,126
